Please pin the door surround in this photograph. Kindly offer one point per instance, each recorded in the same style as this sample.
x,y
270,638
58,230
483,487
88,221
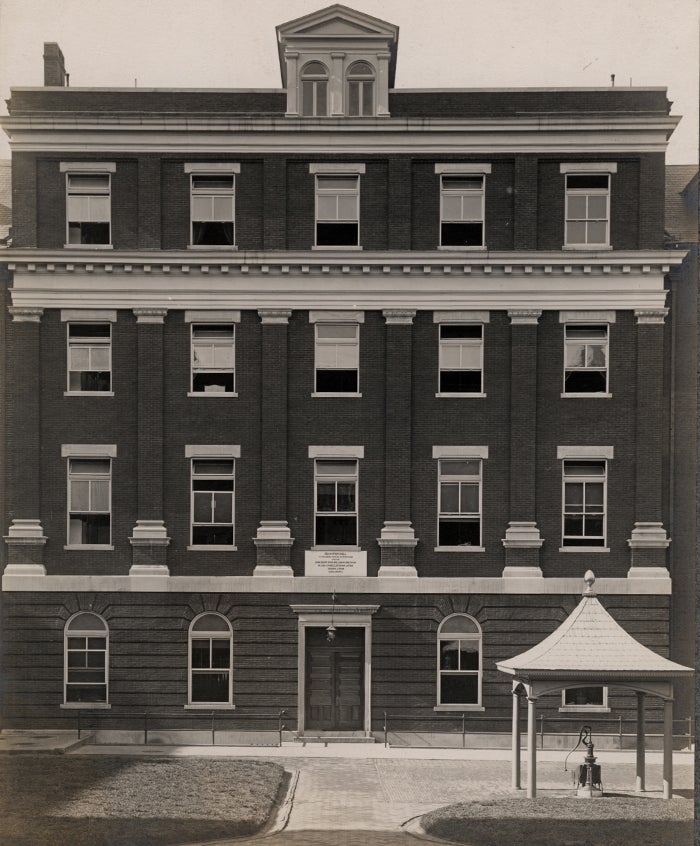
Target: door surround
x,y
321,616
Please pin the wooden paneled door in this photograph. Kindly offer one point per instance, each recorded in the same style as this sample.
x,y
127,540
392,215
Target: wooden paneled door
x,y
335,680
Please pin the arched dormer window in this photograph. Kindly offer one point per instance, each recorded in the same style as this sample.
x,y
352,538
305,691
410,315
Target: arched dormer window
x,y
360,79
86,657
210,666
314,90
459,661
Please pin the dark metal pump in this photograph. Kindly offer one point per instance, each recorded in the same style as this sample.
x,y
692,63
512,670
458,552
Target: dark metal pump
x,y
587,776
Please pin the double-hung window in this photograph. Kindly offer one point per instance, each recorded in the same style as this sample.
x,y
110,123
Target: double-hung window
x,y
462,204
88,202
314,90
592,699
213,358
459,661
210,660
212,204
337,204
459,502
337,354
586,359
584,503
360,90
86,657
89,357
212,502
336,501
89,495
587,212
461,358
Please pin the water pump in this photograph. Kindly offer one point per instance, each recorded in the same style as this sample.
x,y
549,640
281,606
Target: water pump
x,y
587,777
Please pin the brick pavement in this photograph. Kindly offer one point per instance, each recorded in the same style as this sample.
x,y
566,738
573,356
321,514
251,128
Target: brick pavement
x,y
364,802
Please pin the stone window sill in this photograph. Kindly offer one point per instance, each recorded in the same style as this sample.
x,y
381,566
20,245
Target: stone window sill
x,y
584,549
214,394
86,706
458,396
586,396
337,394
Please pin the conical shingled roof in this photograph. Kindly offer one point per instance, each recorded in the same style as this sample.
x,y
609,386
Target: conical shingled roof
x,y
590,641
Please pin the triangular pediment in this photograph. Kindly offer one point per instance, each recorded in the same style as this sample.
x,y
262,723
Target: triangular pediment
x,y
337,21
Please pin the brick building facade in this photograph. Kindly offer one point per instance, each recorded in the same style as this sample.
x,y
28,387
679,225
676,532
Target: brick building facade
x,y
397,363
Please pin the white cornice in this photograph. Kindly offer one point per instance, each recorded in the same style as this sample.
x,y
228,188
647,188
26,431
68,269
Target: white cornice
x,y
327,585
219,134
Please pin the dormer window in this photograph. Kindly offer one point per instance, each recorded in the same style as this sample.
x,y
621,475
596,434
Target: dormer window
x,y
314,90
360,90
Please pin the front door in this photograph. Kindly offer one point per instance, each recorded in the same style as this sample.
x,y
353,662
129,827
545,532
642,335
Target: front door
x,y
335,679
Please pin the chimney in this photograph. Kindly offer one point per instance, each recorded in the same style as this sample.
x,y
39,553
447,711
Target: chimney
x,y
54,65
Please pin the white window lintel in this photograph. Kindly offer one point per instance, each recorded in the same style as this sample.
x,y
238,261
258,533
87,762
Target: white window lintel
x,y
461,317
336,316
212,317
212,167
599,452
88,450
212,450
588,167
587,316
88,167
88,315
342,451
460,452
463,167
336,167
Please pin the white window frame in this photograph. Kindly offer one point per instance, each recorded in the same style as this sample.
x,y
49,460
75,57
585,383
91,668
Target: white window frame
x,y
583,709
460,342
337,192
476,637
90,342
104,169
88,452
361,81
354,478
460,454
85,633
209,635
584,479
194,369
212,453
328,342
313,79
587,169
213,193
570,342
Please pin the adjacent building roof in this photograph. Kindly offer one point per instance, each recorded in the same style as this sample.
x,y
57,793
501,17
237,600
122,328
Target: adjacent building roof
x,y
591,642
681,221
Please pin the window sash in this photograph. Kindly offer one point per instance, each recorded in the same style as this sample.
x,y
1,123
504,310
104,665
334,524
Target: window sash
x,y
85,666
88,201
584,504
336,493
212,498
587,214
340,352
216,674
456,654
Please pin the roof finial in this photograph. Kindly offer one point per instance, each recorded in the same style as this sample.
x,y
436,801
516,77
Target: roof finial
x,y
589,579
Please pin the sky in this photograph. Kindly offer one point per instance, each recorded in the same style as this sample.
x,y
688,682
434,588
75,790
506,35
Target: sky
x,y
442,44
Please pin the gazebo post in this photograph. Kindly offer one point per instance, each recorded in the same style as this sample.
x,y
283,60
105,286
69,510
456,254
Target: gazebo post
x,y
668,748
531,747
640,787
515,735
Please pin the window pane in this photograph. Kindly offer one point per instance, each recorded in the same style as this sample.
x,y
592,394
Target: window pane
x,y
450,357
80,496
336,381
347,356
223,208
85,676
336,531
100,496
361,69
595,355
588,332
597,233
210,687
210,623
76,659
212,467
336,234
346,183
85,622
327,207
470,356
459,467
367,98
321,98
459,623
575,233
461,532
217,183
460,381
99,358
451,207
99,209
223,507
449,497
468,655
470,498
471,207
459,689
573,526
573,495
584,468
220,653
594,526
79,358
94,693
353,98
97,643
202,508
88,182
90,466
325,497
336,330
96,659
462,183
346,496
598,207
576,207
462,234
201,208
336,467
347,207
583,696
307,98
449,655
314,69
586,381
223,355
213,331
575,355
594,496
200,653
587,180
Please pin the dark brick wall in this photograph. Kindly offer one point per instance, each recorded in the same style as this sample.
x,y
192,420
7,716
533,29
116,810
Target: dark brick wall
x,y
399,202
148,653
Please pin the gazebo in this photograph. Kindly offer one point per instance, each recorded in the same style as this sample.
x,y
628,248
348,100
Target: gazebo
x,y
591,648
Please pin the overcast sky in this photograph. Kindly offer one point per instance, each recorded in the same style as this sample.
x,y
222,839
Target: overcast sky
x,y
444,43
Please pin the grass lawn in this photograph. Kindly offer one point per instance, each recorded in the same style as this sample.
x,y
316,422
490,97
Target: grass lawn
x,y
546,821
119,801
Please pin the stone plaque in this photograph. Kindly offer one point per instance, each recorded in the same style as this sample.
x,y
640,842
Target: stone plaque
x,y
335,562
